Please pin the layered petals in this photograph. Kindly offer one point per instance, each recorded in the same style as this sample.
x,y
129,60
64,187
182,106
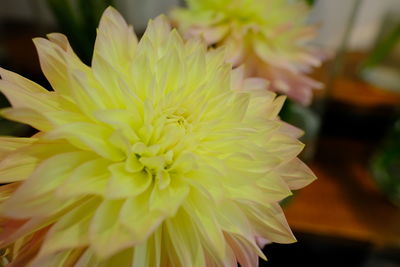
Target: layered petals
x,y
156,155
271,37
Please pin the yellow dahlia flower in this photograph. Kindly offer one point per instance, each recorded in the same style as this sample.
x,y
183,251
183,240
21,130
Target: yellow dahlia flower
x,y
269,36
156,155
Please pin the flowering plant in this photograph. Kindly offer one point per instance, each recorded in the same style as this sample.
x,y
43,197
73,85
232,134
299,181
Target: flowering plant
x,y
156,155
270,37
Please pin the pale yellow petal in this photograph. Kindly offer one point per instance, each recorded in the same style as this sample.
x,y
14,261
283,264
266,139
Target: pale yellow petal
x,y
90,178
87,136
116,41
54,57
168,200
143,222
184,241
107,234
21,81
72,230
123,184
20,163
35,196
20,97
8,144
27,116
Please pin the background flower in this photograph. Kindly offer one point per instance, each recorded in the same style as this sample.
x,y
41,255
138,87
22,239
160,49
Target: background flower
x,y
270,37
156,155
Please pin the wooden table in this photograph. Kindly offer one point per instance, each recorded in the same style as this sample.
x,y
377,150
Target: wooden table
x,y
344,201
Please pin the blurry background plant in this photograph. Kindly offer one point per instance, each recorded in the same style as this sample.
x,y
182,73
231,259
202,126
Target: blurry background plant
x,y
78,20
382,66
382,69
310,2
385,165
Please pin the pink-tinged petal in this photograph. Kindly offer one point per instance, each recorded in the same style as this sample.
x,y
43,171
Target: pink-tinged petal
x,y
66,258
86,259
17,229
235,51
296,174
269,222
236,225
267,55
262,242
29,249
10,227
295,86
308,60
255,84
7,190
211,35
290,130
244,253
273,35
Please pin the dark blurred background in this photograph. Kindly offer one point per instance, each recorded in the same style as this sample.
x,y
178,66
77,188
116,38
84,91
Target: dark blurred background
x,y
350,216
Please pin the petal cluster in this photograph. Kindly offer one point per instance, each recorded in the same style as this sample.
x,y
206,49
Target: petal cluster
x,y
270,37
156,155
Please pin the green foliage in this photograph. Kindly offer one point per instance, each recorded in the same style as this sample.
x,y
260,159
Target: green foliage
x,y
310,2
385,165
384,47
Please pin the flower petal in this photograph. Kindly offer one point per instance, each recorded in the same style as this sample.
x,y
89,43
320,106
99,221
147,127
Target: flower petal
x,y
71,231
90,178
107,234
115,41
35,196
124,184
